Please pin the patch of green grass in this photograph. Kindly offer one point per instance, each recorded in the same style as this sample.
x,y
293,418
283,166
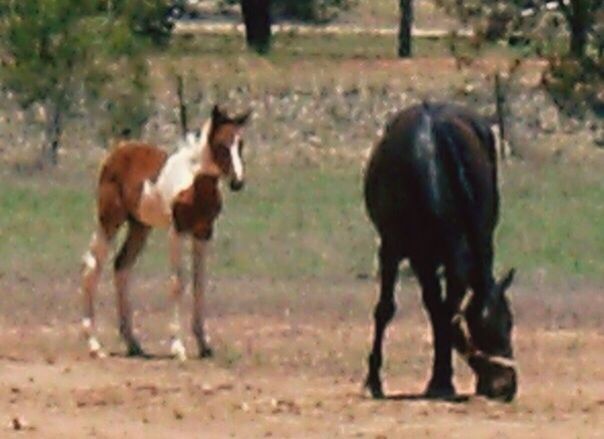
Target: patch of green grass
x,y
297,222
303,221
41,226
553,220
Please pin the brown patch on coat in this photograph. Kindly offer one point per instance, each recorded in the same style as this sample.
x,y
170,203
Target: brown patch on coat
x,y
195,209
121,180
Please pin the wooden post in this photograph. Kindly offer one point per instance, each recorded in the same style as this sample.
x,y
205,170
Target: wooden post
x,y
499,106
182,107
504,146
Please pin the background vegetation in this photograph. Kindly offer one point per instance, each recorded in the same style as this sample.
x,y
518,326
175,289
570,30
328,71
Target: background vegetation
x,y
320,102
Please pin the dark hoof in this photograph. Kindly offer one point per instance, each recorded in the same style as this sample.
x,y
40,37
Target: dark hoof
x,y
206,352
439,391
135,350
375,388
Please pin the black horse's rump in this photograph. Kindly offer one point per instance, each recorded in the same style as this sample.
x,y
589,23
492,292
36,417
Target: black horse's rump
x,y
431,192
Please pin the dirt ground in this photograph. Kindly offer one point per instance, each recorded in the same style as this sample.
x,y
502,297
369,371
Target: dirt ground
x,y
288,368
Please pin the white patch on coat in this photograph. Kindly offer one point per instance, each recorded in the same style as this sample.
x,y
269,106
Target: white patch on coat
x,y
236,161
191,158
89,261
95,349
178,350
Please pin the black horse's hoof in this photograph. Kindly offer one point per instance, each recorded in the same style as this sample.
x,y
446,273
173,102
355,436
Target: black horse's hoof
x,y
135,350
206,352
438,391
375,388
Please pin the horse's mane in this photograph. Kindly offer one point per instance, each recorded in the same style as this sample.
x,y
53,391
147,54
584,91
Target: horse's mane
x,y
196,139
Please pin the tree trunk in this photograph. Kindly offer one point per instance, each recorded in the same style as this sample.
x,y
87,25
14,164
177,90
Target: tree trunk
x,y
257,20
578,41
579,22
404,36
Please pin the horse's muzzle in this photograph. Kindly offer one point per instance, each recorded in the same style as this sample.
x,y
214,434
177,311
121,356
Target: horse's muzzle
x,y
236,185
494,380
496,375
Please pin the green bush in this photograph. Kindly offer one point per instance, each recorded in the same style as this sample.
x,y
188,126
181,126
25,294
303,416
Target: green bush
x,y
576,85
54,52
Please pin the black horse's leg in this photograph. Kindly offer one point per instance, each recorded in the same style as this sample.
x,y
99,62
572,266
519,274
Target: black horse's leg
x,y
383,313
442,370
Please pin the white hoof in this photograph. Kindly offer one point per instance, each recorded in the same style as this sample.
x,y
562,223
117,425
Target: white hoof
x,y
95,349
178,350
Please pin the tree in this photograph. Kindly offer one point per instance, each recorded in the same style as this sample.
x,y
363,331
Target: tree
x,y
404,36
497,19
257,20
574,77
59,50
581,18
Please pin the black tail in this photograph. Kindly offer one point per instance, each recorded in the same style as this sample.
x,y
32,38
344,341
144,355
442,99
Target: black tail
x,y
449,141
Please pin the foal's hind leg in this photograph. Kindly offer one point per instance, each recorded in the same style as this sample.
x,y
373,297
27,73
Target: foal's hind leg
x,y
124,261
94,260
384,311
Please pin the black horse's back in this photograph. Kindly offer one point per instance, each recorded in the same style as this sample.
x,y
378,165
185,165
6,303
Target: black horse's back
x,y
414,175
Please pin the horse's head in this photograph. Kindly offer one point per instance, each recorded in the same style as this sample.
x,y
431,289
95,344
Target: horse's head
x,y
483,335
226,145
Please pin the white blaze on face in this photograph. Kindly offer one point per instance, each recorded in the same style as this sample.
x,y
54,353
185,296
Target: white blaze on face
x,y
236,161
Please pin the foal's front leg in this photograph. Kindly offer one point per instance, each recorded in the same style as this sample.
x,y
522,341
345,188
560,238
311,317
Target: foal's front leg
x,y
177,348
200,250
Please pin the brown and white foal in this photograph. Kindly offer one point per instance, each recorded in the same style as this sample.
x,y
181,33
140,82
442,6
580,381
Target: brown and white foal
x,y
143,186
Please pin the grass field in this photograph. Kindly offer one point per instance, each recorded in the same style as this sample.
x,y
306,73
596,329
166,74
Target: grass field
x,y
305,220
288,47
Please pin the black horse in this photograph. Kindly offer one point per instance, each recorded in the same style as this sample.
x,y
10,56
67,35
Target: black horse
x,y
431,192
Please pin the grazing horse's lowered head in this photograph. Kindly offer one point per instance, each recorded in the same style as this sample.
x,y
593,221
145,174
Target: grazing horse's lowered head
x,y
226,145
482,334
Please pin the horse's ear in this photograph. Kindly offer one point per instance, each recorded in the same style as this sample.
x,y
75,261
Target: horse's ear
x,y
507,280
498,292
217,115
243,118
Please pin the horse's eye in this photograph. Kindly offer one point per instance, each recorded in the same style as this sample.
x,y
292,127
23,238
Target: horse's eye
x,y
222,151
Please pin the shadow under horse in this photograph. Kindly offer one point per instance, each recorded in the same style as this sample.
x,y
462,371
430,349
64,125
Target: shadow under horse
x,y
431,192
